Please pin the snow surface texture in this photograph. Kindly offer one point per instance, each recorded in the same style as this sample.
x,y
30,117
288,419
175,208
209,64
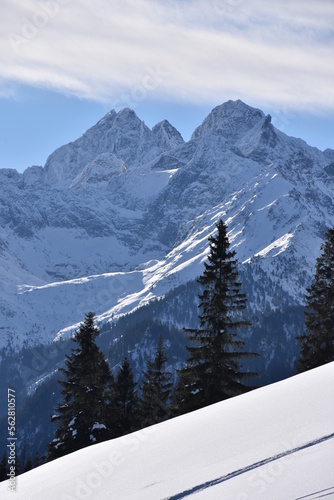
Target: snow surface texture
x,y
274,443
122,216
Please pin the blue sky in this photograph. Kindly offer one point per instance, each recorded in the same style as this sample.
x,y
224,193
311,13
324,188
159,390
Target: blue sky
x,y
66,63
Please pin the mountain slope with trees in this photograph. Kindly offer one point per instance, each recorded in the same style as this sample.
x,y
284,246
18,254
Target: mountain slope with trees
x,y
112,226
118,222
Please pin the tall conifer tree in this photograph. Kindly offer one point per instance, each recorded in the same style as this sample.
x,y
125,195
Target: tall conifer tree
x,y
213,371
126,400
156,389
317,344
83,414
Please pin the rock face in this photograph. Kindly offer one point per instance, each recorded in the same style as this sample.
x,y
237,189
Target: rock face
x,y
122,216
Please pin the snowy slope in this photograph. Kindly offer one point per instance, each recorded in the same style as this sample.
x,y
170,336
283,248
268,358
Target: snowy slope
x,y
274,443
122,215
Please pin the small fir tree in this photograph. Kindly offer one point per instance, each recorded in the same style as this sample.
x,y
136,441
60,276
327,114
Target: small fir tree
x,y
213,371
126,401
317,344
83,414
37,460
156,389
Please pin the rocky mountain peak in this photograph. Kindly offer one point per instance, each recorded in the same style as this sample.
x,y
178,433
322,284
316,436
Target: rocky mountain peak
x,y
123,195
329,153
258,143
230,120
127,118
165,135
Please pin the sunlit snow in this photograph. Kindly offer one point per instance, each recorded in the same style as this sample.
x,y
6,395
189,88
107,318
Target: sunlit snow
x,y
275,443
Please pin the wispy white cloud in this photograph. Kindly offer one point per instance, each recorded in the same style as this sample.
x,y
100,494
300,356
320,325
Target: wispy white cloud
x,y
279,53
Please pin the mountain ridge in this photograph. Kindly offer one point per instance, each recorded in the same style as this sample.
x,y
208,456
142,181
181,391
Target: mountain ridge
x,y
117,222
124,195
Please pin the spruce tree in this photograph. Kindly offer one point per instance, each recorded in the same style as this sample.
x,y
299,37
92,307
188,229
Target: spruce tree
x,y
126,401
83,414
213,371
317,344
37,460
156,389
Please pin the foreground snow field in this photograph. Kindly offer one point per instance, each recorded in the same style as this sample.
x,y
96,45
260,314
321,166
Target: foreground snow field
x,y
275,443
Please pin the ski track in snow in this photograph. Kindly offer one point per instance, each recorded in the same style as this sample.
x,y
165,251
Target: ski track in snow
x,y
231,475
320,494
273,443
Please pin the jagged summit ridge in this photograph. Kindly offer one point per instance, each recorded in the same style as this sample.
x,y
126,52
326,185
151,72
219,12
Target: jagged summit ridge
x,y
166,135
259,140
230,120
123,196
122,134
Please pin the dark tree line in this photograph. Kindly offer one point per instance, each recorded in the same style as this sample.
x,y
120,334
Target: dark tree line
x,y
21,465
97,406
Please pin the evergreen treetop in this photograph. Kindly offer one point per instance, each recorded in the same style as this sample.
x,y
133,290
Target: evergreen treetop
x,y
82,416
156,389
126,400
317,344
213,371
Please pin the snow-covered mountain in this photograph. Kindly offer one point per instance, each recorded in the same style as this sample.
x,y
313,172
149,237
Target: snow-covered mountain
x,y
274,443
122,216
